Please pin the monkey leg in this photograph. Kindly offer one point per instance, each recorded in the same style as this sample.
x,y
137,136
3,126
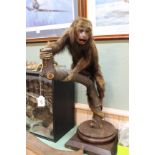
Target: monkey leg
x,y
95,105
100,83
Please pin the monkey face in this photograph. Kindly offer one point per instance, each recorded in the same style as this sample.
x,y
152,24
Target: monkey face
x,y
83,33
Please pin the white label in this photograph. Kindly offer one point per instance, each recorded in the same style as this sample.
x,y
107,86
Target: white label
x,y
41,101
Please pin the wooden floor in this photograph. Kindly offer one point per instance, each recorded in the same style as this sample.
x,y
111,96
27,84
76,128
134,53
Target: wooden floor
x,y
61,144
35,147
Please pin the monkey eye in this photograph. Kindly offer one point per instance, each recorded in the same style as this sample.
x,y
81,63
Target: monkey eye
x,y
81,30
87,31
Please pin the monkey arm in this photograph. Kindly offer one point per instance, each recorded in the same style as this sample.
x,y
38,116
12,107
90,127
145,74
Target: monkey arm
x,y
82,64
58,45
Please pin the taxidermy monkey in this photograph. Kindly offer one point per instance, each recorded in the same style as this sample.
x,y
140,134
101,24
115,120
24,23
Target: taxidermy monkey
x,y
79,41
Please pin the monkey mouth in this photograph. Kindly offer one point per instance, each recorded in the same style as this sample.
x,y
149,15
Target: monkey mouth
x,y
82,41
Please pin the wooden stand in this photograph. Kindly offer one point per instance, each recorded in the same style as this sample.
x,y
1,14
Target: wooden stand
x,y
105,145
98,137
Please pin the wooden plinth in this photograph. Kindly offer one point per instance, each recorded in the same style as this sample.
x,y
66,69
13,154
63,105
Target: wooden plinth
x,y
109,148
96,135
95,142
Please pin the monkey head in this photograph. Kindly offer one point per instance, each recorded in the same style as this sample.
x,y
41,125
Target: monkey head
x,y
81,31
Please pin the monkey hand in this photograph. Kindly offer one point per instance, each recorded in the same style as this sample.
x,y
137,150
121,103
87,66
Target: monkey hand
x,y
70,76
46,49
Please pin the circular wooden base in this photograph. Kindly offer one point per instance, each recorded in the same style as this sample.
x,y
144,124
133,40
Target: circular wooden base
x,y
96,135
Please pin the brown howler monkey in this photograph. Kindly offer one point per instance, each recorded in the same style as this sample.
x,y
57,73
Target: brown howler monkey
x,y
79,41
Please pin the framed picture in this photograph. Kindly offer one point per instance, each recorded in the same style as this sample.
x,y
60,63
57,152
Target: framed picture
x,y
48,19
110,18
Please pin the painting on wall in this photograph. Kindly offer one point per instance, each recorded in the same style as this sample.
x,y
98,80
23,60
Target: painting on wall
x,y
49,18
109,17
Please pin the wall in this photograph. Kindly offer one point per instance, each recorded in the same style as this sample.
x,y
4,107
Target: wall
x,y
114,61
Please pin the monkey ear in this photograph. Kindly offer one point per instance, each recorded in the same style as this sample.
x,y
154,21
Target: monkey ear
x,y
71,35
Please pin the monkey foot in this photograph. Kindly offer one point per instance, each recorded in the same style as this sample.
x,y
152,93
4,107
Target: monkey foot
x,y
96,135
96,123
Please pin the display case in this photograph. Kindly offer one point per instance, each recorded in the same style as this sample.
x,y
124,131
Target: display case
x,y
56,117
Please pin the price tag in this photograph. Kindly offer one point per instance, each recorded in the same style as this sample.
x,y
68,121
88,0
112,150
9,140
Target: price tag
x,y
41,101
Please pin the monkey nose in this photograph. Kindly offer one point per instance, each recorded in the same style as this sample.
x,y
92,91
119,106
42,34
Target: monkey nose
x,y
84,35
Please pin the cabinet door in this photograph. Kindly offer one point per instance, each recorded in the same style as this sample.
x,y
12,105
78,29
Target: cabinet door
x,y
54,119
39,119
63,108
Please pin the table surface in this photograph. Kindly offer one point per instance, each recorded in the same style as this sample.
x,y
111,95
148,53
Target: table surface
x,y
60,144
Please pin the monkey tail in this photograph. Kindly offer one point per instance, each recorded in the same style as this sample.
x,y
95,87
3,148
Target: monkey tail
x,y
98,113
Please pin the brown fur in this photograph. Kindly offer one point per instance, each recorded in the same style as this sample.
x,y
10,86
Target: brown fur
x,y
79,41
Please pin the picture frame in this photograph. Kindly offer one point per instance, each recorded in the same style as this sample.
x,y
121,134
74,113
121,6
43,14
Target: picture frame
x,y
109,18
40,14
